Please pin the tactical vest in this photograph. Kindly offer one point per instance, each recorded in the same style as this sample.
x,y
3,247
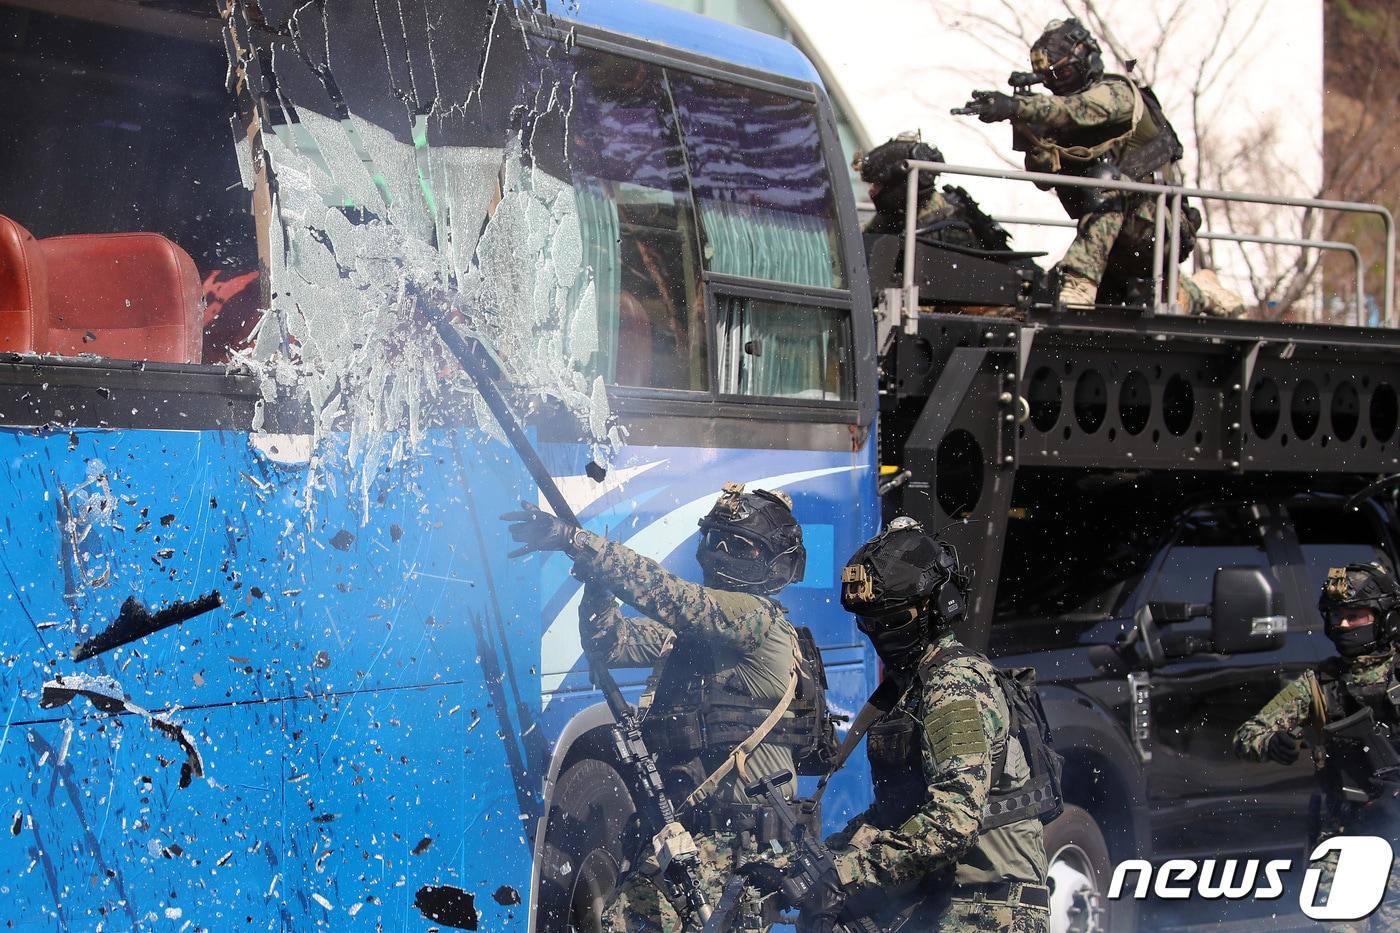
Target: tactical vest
x,y
894,749
701,713
1344,764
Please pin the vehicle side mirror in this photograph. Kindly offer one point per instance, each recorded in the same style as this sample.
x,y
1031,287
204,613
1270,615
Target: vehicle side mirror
x,y
1246,612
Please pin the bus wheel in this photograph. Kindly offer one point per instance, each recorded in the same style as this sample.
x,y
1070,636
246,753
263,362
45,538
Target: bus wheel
x,y
1079,873
582,847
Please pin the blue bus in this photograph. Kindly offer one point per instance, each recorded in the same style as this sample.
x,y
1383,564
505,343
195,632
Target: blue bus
x,y
266,663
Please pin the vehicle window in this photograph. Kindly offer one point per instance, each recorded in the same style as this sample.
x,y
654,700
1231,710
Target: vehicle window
x,y
765,195
637,222
782,350
1205,543
1333,538
107,130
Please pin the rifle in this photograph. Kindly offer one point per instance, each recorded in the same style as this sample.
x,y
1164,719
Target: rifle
x,y
1021,83
1373,741
811,862
675,849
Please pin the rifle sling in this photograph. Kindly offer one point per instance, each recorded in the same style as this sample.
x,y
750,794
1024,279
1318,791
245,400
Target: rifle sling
x,y
885,698
739,757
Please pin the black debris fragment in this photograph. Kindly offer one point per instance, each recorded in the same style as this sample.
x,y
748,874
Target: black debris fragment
x,y
506,896
447,905
107,695
321,661
596,471
424,845
342,540
167,520
395,532
18,824
135,621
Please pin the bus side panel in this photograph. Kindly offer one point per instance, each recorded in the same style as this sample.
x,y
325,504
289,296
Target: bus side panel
x,y
363,707
655,499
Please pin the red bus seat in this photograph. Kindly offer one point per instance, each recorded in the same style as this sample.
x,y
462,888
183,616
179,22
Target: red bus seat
x,y
134,296
24,298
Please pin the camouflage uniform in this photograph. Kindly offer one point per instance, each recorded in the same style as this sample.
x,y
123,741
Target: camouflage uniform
x,y
1120,240
1291,710
889,862
751,643
938,210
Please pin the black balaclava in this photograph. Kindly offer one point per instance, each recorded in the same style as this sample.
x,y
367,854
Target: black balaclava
x,y
905,588
1361,586
1066,57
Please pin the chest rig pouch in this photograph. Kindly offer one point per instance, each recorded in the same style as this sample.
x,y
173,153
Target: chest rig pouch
x,y
701,713
895,750
1360,733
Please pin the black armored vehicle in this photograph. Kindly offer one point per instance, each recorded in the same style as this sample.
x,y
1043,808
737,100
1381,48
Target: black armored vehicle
x,y
1150,503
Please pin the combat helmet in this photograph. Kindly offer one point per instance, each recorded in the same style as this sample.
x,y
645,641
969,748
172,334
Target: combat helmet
x,y
883,166
1361,586
1066,57
902,585
750,542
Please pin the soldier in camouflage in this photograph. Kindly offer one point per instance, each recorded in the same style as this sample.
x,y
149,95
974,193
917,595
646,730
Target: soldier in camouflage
x,y
725,656
925,856
1107,126
949,215
1361,606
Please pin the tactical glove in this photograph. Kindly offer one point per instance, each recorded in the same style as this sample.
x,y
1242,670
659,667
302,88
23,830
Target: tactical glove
x,y
821,909
992,106
537,530
763,877
1282,748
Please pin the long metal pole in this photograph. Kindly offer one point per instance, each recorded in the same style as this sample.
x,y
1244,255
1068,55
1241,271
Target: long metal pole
x,y
911,224
1173,251
1159,220
1387,218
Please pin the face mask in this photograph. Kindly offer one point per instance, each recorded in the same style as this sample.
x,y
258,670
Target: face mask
x,y
1353,642
899,640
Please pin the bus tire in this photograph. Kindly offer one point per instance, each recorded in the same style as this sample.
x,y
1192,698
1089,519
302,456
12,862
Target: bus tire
x,y
1080,870
582,851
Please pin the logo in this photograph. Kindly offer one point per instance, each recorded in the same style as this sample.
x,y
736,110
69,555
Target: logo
x,y
1359,877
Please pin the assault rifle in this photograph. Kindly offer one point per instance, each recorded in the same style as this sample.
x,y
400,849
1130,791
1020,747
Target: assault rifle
x,y
811,863
675,848
1374,743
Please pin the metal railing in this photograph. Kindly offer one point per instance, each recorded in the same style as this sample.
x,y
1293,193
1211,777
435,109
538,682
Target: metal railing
x,y
1358,265
1165,195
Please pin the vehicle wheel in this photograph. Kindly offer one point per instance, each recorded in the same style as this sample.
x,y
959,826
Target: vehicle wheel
x,y
582,847
1080,869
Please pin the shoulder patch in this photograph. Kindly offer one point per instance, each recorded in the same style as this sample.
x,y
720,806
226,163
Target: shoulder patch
x,y
954,730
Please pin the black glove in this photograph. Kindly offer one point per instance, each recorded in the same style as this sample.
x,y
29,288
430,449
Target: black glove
x,y
992,106
819,897
537,530
821,907
763,877
1282,747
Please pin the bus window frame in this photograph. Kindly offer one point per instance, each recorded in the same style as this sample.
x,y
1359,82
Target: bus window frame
x,y
854,298
221,396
